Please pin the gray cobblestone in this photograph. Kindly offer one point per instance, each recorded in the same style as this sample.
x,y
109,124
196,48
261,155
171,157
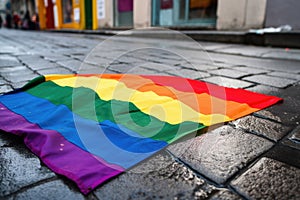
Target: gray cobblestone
x,y
229,73
37,63
55,57
250,70
2,81
220,153
187,73
267,115
8,61
293,139
14,70
19,84
271,81
5,88
147,180
225,195
273,131
15,78
9,140
19,168
159,67
50,190
56,70
285,75
228,82
281,54
285,154
255,182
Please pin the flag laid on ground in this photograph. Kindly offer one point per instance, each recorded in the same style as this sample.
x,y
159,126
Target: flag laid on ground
x,y
91,128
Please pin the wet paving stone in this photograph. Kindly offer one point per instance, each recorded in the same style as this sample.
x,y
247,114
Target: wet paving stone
x,y
2,81
271,81
121,68
57,70
157,178
50,190
5,88
288,111
19,168
10,140
144,71
8,61
285,154
229,73
272,130
256,184
250,70
225,195
285,75
15,78
293,139
19,84
159,67
220,153
228,82
267,115
13,69
192,74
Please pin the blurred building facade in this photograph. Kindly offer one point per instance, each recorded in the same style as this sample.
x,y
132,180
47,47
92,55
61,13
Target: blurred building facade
x,y
191,14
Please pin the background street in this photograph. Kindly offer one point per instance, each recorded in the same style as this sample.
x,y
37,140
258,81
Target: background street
x,y
255,157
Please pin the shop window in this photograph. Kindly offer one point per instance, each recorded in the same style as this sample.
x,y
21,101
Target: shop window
x,y
184,12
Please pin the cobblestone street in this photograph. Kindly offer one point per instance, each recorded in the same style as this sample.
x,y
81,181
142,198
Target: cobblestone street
x,y
254,157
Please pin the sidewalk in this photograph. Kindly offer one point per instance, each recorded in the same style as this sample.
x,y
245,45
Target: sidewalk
x,y
255,157
289,39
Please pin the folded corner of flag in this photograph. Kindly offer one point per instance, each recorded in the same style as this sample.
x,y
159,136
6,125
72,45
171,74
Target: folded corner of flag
x,y
91,128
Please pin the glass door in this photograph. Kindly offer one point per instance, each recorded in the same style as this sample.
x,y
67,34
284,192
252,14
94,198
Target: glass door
x,y
123,13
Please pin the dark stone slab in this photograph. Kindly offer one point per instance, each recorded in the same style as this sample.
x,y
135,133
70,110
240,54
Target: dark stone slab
x,y
50,190
225,195
220,153
285,154
293,139
272,130
19,168
10,140
269,179
288,111
157,178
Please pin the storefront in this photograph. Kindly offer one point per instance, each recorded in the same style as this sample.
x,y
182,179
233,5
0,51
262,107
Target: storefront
x,y
62,14
171,13
70,13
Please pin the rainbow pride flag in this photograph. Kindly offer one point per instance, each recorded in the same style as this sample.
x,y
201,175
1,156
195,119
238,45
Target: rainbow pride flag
x,y
91,128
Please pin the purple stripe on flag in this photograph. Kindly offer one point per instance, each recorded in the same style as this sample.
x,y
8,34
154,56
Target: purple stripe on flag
x,y
63,157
